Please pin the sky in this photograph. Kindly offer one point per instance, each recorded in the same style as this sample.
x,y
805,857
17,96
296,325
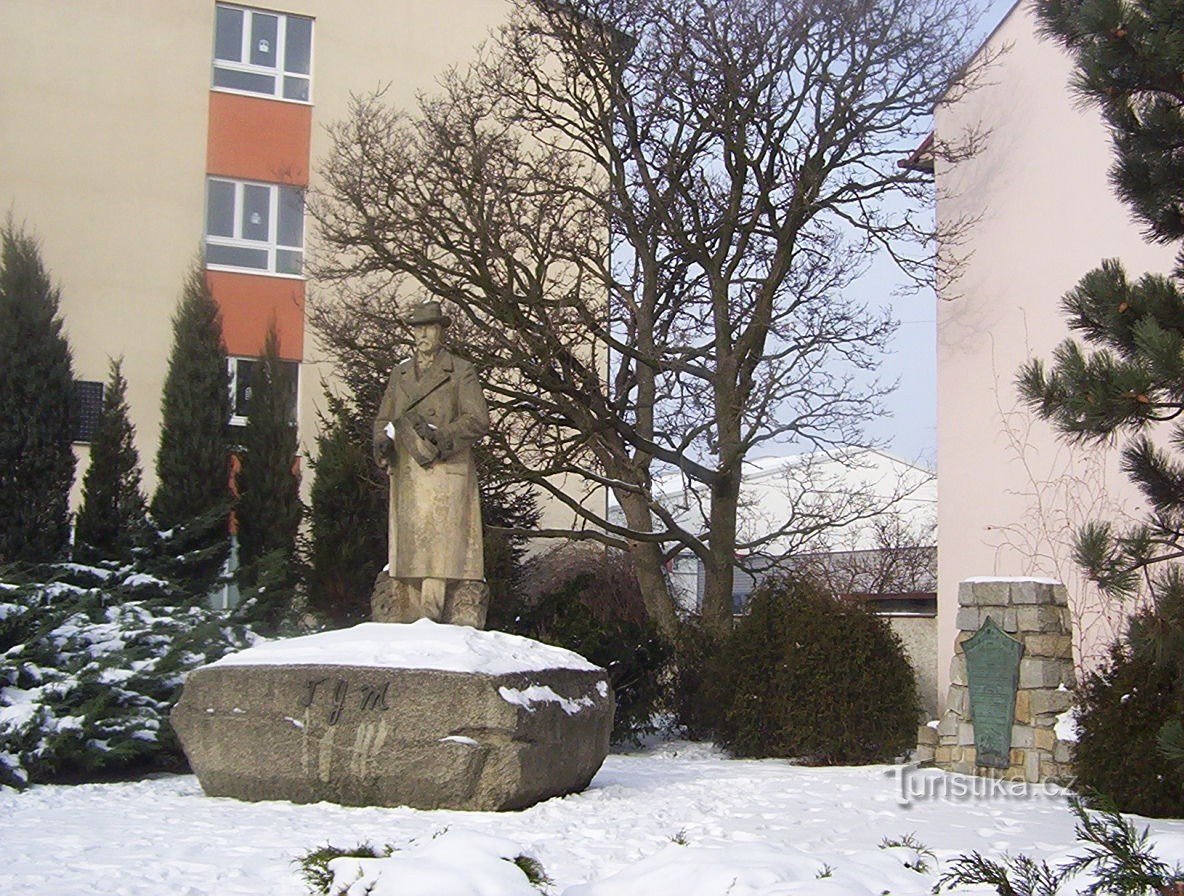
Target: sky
x,y
910,430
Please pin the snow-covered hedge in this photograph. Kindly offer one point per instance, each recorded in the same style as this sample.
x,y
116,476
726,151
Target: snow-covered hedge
x,y
91,662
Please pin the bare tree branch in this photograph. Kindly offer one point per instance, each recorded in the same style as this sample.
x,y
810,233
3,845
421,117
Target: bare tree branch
x,y
648,214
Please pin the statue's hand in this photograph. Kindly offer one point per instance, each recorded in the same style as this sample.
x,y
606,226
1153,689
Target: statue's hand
x,y
425,453
423,429
382,449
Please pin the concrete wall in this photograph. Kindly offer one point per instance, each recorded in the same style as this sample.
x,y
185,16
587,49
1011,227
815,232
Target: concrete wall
x,y
1010,493
919,636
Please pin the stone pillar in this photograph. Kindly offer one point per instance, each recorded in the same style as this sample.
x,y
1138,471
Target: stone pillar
x,y
1034,612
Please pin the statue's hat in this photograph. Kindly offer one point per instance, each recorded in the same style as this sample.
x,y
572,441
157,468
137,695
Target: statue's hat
x,y
428,313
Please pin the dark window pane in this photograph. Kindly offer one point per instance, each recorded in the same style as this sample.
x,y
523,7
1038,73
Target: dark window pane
x,y
288,262
243,372
256,213
264,30
224,77
242,387
298,46
87,407
292,375
220,211
228,34
291,214
236,257
296,89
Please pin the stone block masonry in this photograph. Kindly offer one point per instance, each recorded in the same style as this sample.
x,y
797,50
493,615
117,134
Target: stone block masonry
x,y
1034,612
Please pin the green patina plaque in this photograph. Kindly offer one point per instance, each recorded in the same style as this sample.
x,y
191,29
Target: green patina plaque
x,y
993,675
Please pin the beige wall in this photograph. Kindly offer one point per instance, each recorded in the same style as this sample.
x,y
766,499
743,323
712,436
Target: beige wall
x,y
102,156
1009,492
103,125
364,45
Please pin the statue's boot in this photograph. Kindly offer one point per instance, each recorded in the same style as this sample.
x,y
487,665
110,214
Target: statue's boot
x,y
467,604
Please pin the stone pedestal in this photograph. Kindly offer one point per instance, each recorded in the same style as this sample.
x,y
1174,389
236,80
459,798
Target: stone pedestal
x,y
424,715
1035,613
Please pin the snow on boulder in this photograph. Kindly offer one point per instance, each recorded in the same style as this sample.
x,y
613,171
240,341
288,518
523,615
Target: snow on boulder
x,y
424,715
418,645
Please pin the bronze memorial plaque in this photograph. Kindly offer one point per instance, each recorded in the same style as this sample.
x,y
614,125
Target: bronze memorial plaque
x,y
993,675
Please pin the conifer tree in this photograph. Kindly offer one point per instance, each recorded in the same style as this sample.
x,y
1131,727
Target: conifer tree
x,y
347,544
36,388
269,508
1128,378
191,464
113,509
192,498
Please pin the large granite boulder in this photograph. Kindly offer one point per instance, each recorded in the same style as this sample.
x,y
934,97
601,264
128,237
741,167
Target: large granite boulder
x,y
424,715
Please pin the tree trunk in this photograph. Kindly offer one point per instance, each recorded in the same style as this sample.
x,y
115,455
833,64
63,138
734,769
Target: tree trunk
x,y
655,588
647,563
720,568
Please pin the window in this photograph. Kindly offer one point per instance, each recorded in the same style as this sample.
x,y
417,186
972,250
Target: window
x,y
241,370
263,52
255,227
86,410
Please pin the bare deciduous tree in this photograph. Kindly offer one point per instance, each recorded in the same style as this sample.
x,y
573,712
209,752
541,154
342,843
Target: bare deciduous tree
x,y
897,558
648,214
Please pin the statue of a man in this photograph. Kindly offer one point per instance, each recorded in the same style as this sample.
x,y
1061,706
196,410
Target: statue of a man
x,y
432,412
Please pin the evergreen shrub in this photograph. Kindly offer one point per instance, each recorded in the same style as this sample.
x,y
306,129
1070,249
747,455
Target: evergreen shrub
x,y
314,864
695,691
1115,854
588,600
809,677
1123,709
91,662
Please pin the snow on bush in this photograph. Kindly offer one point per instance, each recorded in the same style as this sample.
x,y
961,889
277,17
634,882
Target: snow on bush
x,y
91,662
459,862
465,862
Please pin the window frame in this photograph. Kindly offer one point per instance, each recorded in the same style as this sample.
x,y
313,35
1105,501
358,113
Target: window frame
x,y
278,72
232,362
86,410
272,246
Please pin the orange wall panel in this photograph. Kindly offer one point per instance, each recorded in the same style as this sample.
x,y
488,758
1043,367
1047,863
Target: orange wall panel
x,y
250,303
259,139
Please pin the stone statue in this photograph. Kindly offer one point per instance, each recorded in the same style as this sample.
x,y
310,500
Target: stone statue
x,y
432,412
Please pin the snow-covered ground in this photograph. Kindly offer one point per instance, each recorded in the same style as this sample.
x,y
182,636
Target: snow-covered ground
x,y
677,820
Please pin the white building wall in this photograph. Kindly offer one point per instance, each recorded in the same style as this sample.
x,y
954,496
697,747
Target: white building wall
x,y
1010,493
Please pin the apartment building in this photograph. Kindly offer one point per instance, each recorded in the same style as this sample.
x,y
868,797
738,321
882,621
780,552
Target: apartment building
x,y
139,136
